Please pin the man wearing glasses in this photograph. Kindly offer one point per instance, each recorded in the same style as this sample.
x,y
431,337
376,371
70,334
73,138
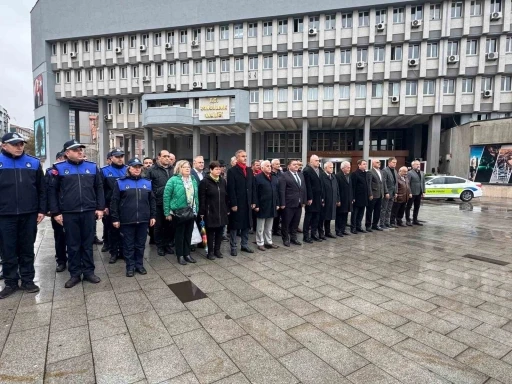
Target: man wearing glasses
x,y
22,207
76,201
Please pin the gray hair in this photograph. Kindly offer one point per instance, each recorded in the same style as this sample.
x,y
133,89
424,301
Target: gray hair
x,y
345,164
264,163
403,168
328,163
239,152
415,162
276,161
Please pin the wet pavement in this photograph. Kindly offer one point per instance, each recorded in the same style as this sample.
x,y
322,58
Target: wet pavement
x,y
429,304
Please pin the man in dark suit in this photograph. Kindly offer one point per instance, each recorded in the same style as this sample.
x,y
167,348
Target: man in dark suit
x,y
293,197
345,188
277,172
360,195
376,192
197,171
240,194
315,202
417,184
331,201
390,181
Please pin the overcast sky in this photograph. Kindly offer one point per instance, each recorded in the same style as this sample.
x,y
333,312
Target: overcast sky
x,y
16,61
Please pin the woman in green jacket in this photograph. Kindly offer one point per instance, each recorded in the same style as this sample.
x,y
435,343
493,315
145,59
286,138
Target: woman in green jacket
x,y
181,192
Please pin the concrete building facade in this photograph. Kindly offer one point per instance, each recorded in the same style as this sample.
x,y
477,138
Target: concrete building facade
x,y
4,121
345,81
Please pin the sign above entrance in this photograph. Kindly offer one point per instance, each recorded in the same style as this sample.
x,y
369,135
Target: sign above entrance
x,y
214,108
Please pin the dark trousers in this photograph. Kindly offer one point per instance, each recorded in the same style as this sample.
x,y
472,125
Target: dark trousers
x,y
276,226
105,220
151,233
183,237
373,212
356,218
244,238
416,199
114,237
311,220
326,227
134,242
17,237
394,211
290,223
214,238
60,243
79,229
341,221
164,229
397,212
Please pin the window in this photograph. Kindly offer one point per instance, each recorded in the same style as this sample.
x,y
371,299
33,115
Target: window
x,y
495,6
120,42
467,85
508,44
78,76
297,94
268,95
364,19
475,8
124,72
362,54
75,46
435,11
267,28
211,66
253,30
320,141
184,68
196,34
157,39
238,31
411,88
112,73
312,93
253,63
313,59
224,65
171,69
239,64
210,32
486,84
297,60
183,37
429,87
131,106
86,45
147,70
57,78
224,32
396,52
198,67
398,15
109,44
328,92
380,16
314,22
432,50
97,45
378,54
133,41
360,91
453,48
254,96
491,45
346,55
298,25
344,92
417,12
377,90
394,89
456,10
506,83
110,110
159,70
282,94
282,27
144,39
282,61
54,49
330,22
448,86
170,37
120,107
471,47
346,20
329,58
414,51
100,74
135,71
267,62
89,75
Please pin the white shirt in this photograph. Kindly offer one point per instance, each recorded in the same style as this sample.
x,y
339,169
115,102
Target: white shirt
x,y
296,177
378,173
200,175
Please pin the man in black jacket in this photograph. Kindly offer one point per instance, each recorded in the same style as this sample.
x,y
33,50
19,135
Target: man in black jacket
x,y
360,196
277,172
377,191
22,207
315,202
159,174
345,188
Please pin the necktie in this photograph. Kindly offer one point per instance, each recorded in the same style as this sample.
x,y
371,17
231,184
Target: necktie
x,y
297,179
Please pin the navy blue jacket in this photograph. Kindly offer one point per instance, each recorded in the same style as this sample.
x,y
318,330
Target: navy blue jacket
x,y
266,195
133,201
75,188
110,174
22,186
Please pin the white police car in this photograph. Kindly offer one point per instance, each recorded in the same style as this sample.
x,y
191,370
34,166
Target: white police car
x,y
443,186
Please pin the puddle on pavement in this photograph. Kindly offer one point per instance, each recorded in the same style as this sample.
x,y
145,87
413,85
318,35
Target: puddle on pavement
x,y
187,291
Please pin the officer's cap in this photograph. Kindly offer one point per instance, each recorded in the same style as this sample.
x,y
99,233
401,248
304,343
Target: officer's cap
x,y
59,155
72,144
134,163
109,155
13,138
117,152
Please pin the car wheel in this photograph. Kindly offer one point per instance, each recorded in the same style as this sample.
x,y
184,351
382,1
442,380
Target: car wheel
x,y
466,196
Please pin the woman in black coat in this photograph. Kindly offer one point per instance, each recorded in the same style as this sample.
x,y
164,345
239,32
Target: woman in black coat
x,y
360,196
213,208
345,188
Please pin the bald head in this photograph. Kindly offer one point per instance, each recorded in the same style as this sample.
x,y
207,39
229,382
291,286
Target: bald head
x,y
314,161
402,171
376,163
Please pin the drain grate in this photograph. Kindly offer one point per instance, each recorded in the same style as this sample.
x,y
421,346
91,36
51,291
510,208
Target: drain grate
x,y
187,291
486,259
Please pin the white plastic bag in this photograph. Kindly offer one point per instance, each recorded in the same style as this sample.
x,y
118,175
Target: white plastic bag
x,y
196,235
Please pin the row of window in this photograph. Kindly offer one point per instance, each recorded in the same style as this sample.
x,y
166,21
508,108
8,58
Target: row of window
x,y
456,11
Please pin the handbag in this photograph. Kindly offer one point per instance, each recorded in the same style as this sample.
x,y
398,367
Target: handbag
x,y
184,214
196,235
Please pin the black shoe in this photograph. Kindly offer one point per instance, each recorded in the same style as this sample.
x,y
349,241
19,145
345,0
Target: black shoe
x,y
277,233
105,248
271,246
130,273
377,228
233,252
353,231
29,287
408,223
92,278
97,241
190,259
169,250
339,234
113,259
60,267
210,256
160,252
393,225
141,271
74,280
181,260
295,242
330,236
192,248
286,243
400,224
369,229
8,291
417,223
152,241
307,240
218,254
322,237
388,225
345,233
247,249
360,230
316,238
251,232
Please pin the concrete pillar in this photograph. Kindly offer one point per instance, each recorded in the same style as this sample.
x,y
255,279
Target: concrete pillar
x,y
213,147
171,143
148,142
196,142
305,142
257,145
126,147
433,143
418,134
248,143
104,138
366,139
132,147
77,125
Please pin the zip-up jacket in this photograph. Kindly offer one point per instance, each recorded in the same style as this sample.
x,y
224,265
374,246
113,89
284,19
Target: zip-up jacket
x,y
159,177
109,175
133,201
22,186
75,188
213,202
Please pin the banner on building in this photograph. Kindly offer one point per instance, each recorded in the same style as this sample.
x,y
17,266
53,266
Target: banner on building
x,y
40,137
491,163
214,108
38,91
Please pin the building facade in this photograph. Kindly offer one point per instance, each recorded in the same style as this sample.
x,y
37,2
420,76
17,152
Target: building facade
x,y
4,121
26,133
345,81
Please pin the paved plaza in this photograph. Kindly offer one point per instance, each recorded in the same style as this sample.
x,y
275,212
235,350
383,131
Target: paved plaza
x,y
401,306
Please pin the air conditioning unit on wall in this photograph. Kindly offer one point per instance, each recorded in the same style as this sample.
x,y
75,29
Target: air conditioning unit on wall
x,y
453,59
380,27
395,99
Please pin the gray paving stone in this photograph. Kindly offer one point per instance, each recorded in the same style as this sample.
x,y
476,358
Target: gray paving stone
x,y
107,326
221,327
332,292
305,293
203,307
276,313
244,273
77,370
69,317
371,374
167,305
371,296
231,304
456,318
34,316
271,290
376,330
481,343
488,365
101,304
412,301
187,378
335,308
124,284
497,334
206,283
237,378
375,312
243,290
163,364
298,306
68,343
147,331
133,302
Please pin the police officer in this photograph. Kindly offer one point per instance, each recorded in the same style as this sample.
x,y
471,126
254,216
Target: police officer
x,y
76,197
133,208
58,230
106,246
22,207
110,174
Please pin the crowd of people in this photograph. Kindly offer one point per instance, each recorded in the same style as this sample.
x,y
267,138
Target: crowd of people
x,y
169,200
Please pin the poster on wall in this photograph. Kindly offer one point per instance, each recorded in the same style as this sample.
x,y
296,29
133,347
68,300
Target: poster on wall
x,y
475,155
40,137
503,169
38,91
493,163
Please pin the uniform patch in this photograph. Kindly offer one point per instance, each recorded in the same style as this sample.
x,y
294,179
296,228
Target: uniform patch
x,y
144,186
66,171
28,165
110,174
127,187
55,172
1,165
87,171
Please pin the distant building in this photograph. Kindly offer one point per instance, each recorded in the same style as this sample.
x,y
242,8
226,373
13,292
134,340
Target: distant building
x,y
4,121
26,133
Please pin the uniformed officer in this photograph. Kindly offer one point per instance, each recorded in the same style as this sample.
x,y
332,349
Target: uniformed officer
x,y
133,208
58,230
106,247
76,197
110,174
22,207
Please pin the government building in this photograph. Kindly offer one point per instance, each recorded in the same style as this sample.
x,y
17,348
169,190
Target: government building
x,y
282,79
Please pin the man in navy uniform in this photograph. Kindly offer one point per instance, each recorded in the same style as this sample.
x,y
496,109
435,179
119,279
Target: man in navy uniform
x,y
76,200
22,207
110,174
106,246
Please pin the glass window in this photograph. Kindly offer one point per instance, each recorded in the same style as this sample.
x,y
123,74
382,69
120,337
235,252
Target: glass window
x,y
109,107
475,8
183,37
364,19
320,141
75,46
432,50
112,73
90,77
396,52
282,61
253,63
254,96
147,70
184,68
378,54
267,28
328,92
120,42
411,88
276,142
224,65
196,34
394,89
491,45
429,87
467,85
253,30
57,77
268,95
377,89
330,21
417,12
238,31
157,38
172,69
298,25
133,41
508,44
472,47
456,10
362,54
506,83
398,15
198,67
144,39
314,22
54,49
346,20
64,47
210,33
224,32
312,93
86,46
329,58
131,109
268,62
380,16
124,71
98,45
495,6
486,84
435,11
282,94
120,107
346,54
100,74
159,70
453,48
313,59
449,86
211,66
360,91
109,44
297,94
170,37
239,64
344,92
414,51
282,27
297,60
78,75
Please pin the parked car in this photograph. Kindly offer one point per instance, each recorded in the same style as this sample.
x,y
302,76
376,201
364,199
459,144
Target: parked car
x,y
443,186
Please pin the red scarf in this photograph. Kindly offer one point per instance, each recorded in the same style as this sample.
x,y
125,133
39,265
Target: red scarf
x,y
244,168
